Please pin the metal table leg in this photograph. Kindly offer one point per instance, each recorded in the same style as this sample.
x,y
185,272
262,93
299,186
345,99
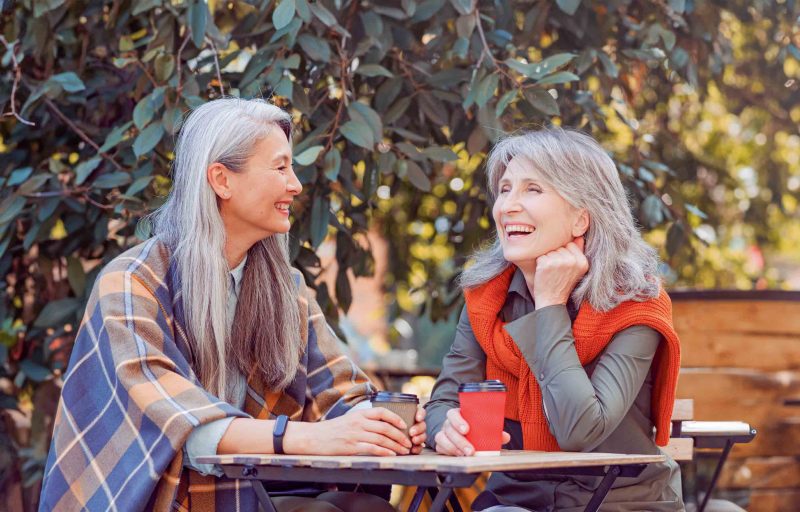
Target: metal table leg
x,y
258,487
602,489
441,499
717,471
417,500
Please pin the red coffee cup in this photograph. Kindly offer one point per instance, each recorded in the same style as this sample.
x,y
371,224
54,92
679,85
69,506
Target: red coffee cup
x,y
483,407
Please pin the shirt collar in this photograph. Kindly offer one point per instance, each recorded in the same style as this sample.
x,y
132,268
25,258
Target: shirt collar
x,y
236,275
519,285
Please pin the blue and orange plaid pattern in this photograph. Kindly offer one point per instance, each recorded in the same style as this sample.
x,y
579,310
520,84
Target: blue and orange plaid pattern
x,y
130,397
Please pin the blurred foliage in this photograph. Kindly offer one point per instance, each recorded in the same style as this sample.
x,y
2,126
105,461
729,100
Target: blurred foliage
x,y
396,104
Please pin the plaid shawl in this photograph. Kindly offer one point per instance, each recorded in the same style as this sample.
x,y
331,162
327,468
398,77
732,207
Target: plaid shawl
x,y
130,397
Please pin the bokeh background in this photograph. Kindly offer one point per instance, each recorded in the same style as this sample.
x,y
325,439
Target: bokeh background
x,y
395,103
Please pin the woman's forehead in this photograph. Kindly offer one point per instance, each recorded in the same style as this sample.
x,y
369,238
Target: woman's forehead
x,y
520,168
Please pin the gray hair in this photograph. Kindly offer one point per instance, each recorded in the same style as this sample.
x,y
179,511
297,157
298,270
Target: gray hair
x,y
622,266
266,330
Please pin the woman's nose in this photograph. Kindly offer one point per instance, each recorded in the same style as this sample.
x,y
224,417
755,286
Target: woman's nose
x,y
293,184
510,203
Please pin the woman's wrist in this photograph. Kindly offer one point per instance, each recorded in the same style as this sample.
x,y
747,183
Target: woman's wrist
x,y
296,440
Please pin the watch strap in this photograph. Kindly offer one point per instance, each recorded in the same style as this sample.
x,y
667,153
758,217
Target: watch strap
x,y
278,433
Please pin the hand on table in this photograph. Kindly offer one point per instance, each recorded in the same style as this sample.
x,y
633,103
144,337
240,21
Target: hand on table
x,y
418,432
376,431
451,440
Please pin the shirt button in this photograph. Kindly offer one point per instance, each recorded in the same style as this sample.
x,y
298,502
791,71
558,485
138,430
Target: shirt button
x,y
541,376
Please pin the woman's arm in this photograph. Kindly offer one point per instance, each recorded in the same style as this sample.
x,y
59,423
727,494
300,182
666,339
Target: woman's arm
x,y
583,412
465,362
364,432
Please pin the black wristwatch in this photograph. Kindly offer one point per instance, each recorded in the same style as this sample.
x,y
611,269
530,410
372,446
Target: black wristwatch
x,y
278,432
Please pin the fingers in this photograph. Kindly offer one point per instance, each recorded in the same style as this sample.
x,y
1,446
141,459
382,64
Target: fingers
x,y
392,433
506,438
462,446
364,448
420,417
456,420
383,414
383,441
445,446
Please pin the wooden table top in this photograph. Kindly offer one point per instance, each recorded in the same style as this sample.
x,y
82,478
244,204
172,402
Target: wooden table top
x,y
508,460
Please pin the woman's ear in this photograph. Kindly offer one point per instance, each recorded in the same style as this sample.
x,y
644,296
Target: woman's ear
x,y
217,175
581,224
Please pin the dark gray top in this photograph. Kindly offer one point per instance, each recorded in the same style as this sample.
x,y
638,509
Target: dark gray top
x,y
603,407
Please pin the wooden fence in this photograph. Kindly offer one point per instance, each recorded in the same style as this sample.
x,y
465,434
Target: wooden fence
x,y
740,361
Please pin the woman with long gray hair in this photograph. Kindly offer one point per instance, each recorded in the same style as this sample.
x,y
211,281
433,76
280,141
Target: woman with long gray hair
x,y
566,308
203,340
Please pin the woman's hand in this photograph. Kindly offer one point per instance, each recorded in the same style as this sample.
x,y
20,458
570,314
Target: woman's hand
x,y
418,432
557,274
450,439
376,431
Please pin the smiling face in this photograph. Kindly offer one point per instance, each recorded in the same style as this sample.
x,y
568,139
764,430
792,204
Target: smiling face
x,y
532,219
255,202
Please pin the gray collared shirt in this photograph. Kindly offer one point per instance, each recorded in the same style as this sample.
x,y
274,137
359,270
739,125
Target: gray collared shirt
x,y
603,407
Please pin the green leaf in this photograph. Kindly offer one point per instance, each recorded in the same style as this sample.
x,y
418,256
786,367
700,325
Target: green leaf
x,y
417,176
463,6
315,47
331,164
143,112
608,65
676,235
324,15
139,185
560,77
164,65
651,207
198,18
148,139
695,210
372,70
84,169
504,101
362,113
319,220
76,276
568,6
678,5
554,62
283,14
114,137
44,6
145,5
542,101
18,176
486,89
68,81
34,371
358,133
11,206
112,180
440,154
56,312
172,120
33,184
309,156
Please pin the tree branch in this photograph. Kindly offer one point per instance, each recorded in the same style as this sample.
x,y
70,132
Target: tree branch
x,y
81,133
17,78
216,65
179,65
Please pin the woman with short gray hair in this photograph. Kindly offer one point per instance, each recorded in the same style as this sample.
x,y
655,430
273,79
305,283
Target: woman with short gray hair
x,y
566,308
203,340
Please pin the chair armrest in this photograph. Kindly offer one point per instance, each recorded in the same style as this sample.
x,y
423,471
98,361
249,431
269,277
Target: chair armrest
x,y
715,434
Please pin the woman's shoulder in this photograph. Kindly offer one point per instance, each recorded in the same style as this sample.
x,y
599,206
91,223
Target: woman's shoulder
x,y
148,261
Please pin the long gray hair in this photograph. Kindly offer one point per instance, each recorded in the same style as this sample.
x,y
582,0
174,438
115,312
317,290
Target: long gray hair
x,y
266,329
622,266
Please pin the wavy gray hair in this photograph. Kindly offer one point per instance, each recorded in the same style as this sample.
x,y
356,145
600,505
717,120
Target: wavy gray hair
x,y
266,329
622,266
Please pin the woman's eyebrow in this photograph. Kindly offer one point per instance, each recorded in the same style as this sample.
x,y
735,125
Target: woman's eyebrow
x,y
280,157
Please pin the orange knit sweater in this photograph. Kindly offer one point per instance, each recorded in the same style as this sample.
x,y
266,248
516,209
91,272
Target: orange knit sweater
x,y
593,330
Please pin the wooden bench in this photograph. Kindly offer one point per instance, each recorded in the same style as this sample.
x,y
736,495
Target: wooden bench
x,y
687,436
